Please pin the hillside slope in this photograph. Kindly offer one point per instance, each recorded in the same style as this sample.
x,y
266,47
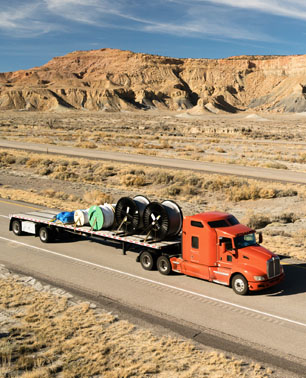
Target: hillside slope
x,y
114,80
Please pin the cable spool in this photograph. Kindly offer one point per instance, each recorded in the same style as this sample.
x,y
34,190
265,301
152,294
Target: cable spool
x,y
163,220
129,213
81,217
102,216
176,217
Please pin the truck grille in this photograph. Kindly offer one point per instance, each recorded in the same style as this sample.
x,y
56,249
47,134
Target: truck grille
x,y
273,267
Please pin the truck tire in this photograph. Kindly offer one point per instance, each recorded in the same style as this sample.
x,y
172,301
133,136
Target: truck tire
x,y
164,265
240,284
148,260
16,227
45,234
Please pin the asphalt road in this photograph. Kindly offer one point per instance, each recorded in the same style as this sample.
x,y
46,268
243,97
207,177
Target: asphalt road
x,y
269,326
229,169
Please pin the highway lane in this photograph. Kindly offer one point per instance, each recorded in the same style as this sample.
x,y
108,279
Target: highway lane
x,y
273,321
228,169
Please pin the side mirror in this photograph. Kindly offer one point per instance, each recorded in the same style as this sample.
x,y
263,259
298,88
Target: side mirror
x,y
260,238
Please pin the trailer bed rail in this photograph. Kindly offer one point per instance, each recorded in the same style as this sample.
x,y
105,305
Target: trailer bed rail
x,y
48,218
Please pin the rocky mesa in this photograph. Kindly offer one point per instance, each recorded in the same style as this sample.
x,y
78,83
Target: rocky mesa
x,y
114,80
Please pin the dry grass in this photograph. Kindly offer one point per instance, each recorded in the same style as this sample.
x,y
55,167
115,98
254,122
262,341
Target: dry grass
x,y
47,336
230,139
96,197
182,185
104,182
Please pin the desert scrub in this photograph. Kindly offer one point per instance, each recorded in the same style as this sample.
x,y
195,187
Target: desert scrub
x,y
133,180
237,189
51,336
275,165
162,178
86,144
6,159
97,197
220,150
256,221
51,193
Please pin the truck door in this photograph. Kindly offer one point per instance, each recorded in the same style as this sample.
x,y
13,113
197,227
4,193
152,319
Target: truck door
x,y
196,241
226,253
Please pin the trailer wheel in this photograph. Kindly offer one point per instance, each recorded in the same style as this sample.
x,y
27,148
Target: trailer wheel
x,y
164,265
240,285
45,234
16,227
148,260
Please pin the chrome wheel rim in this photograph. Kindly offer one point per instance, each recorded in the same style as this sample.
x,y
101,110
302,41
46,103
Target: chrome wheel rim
x,y
163,266
16,227
43,234
146,261
239,285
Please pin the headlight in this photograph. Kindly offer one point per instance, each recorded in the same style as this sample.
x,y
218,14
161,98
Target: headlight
x,y
259,278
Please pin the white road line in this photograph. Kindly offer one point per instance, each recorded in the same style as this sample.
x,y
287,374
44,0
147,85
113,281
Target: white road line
x,y
158,283
4,216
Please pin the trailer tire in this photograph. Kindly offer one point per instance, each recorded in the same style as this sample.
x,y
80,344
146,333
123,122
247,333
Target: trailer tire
x,y
240,284
45,234
164,265
16,227
148,260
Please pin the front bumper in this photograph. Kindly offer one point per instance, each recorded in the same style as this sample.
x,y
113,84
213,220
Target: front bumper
x,y
260,285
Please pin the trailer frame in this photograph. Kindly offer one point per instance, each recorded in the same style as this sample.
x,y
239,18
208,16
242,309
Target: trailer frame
x,y
34,222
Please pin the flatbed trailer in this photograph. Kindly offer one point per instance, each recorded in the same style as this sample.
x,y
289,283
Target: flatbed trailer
x,y
212,246
44,225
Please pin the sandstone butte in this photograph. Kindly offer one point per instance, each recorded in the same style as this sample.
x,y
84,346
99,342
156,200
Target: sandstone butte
x,y
114,80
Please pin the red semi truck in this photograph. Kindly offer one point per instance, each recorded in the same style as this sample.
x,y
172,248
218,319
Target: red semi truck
x,y
216,247
213,246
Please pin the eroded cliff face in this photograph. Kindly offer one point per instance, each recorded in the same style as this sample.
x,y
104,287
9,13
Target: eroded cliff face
x,y
117,80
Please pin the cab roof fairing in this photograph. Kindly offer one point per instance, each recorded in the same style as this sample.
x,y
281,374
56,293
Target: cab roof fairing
x,y
233,231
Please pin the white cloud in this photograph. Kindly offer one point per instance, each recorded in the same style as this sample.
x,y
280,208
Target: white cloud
x,y
24,20
231,19
287,8
86,11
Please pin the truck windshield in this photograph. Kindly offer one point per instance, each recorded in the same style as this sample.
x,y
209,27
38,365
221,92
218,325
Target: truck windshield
x,y
245,241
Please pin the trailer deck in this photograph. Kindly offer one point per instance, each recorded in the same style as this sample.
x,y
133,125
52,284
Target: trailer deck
x,y
48,218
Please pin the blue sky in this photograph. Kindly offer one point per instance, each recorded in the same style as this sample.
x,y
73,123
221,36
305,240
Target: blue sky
x,y
34,31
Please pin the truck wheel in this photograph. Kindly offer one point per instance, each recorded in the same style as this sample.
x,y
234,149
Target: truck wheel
x,y
240,285
45,234
164,265
16,227
147,260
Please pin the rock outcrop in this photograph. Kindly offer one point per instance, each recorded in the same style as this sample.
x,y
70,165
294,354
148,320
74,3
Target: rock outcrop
x,y
114,80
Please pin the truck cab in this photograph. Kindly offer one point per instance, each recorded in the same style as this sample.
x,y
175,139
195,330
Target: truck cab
x,y
217,248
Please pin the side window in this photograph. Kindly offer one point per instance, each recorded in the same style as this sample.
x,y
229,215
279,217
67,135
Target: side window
x,y
228,244
197,224
195,242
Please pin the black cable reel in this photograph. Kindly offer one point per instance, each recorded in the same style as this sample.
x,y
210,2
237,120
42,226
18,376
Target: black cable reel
x,y
162,220
129,214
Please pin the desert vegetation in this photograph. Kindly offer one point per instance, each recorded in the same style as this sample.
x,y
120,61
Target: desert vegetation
x,y
51,335
242,139
61,182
